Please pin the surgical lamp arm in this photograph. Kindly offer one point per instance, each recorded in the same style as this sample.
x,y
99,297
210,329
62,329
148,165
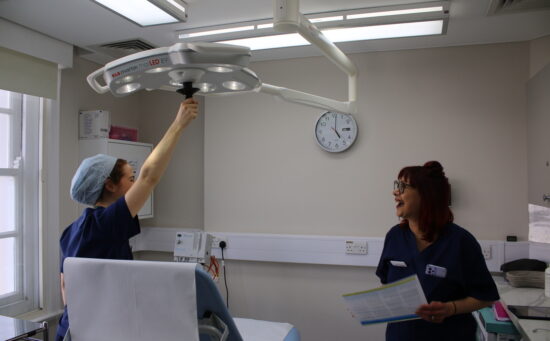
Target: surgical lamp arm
x,y
304,98
287,18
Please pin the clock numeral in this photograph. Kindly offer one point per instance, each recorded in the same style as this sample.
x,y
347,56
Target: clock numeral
x,y
323,123
344,142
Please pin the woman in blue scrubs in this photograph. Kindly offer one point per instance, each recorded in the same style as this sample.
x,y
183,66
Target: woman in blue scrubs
x,y
447,259
108,184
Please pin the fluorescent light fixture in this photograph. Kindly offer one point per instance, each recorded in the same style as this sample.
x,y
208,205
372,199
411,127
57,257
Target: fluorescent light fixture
x,y
177,5
413,29
269,42
213,32
396,12
420,28
147,13
325,19
262,26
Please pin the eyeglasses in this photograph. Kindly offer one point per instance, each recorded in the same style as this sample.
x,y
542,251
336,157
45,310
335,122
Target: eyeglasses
x,y
400,186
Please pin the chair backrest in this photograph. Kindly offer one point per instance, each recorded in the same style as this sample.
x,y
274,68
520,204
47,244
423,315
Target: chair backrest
x,y
209,300
131,300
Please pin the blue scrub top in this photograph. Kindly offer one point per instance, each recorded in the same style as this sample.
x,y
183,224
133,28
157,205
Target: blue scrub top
x,y
98,233
467,275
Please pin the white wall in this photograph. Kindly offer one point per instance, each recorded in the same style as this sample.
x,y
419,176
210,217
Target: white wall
x,y
538,121
76,95
463,106
539,54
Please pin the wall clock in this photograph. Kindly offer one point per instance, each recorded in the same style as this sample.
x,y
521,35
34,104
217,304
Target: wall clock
x,y
335,132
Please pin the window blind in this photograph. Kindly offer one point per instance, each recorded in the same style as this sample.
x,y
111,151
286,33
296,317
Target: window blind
x,y
26,74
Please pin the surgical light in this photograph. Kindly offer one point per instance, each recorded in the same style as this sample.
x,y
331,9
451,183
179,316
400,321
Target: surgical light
x,y
219,69
128,88
206,87
183,67
158,69
234,85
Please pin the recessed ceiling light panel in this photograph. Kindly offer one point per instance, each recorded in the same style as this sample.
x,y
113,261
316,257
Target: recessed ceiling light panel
x,y
147,12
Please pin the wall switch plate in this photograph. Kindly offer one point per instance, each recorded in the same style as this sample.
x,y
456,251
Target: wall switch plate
x,y
216,242
487,252
356,247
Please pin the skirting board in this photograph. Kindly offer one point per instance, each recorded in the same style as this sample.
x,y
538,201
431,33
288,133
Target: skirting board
x,y
308,249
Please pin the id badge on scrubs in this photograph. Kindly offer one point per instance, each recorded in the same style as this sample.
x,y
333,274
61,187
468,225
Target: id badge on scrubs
x,y
437,271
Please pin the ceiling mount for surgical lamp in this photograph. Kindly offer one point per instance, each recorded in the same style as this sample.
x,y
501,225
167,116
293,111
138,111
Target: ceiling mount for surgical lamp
x,y
216,68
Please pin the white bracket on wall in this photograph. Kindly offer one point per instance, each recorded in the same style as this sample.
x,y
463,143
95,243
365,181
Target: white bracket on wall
x,y
288,19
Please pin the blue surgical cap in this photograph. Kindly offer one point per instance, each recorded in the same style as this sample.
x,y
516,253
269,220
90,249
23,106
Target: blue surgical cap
x,y
88,181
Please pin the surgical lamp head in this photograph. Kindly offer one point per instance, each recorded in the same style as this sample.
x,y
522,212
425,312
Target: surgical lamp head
x,y
207,68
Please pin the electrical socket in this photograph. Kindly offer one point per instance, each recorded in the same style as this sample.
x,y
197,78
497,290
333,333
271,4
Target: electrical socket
x,y
487,252
216,242
356,247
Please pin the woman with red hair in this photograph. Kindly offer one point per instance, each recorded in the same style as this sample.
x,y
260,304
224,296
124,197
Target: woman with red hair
x,y
446,258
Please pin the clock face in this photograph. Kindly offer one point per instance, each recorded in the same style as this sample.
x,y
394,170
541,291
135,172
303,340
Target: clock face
x,y
335,132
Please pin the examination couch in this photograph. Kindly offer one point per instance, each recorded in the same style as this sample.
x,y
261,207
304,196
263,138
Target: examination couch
x,y
143,301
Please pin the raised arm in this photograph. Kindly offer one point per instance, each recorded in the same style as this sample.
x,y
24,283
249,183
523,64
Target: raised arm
x,y
154,166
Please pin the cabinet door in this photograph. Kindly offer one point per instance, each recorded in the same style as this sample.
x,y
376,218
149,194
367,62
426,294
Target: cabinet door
x,y
135,154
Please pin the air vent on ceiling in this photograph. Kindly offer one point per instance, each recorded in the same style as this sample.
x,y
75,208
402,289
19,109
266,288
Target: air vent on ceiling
x,y
135,45
110,51
516,6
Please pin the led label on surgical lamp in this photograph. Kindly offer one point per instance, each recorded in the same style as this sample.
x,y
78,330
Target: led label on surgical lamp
x,y
140,66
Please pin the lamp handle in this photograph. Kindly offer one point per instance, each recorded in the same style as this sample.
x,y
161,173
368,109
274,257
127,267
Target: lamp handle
x,y
100,89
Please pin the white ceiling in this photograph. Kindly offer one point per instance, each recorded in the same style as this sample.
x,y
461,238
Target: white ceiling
x,y
83,23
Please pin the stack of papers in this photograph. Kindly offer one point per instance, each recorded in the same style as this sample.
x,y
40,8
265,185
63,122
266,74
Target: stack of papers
x,y
392,302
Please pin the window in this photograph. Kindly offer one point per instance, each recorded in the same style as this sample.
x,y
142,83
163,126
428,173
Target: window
x,y
19,202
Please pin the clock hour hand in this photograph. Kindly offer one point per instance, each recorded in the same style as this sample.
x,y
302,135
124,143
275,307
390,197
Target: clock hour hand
x,y
335,132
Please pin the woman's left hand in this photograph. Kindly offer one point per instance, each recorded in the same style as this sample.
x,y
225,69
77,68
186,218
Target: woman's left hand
x,y
435,311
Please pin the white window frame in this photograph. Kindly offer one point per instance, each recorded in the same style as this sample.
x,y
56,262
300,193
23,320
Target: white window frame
x,y
25,152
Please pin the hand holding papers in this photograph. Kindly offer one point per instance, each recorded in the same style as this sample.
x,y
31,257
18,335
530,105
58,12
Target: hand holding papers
x,y
392,302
